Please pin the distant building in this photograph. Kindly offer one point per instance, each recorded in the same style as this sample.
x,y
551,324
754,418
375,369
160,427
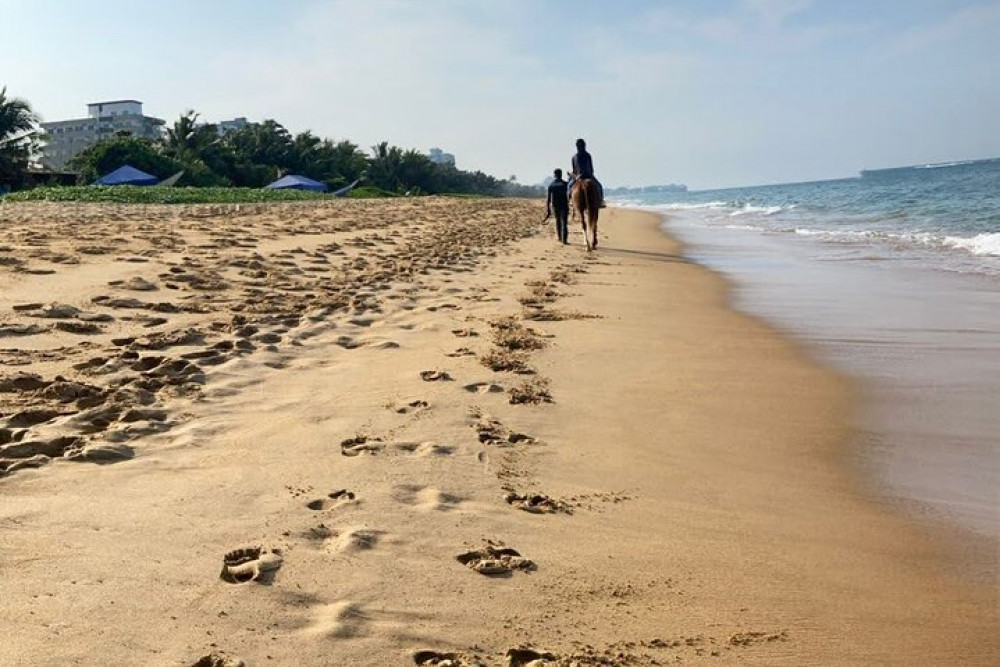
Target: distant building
x,y
224,126
65,139
438,156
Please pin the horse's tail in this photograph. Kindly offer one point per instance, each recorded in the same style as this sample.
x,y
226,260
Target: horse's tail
x,y
585,197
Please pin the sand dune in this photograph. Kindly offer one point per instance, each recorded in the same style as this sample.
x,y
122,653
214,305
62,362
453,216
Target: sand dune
x,y
422,432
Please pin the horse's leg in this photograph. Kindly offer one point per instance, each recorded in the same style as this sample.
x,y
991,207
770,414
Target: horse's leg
x,y
593,223
578,208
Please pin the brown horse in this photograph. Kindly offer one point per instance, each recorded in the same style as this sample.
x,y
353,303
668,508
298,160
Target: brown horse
x,y
587,203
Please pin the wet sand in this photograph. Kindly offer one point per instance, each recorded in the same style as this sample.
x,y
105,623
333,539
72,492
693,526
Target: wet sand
x,y
423,432
923,344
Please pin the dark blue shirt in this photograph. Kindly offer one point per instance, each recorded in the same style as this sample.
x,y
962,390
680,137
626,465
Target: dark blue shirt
x,y
583,164
558,197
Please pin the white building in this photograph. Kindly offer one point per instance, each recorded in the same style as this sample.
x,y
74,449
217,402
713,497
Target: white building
x,y
438,156
65,139
224,126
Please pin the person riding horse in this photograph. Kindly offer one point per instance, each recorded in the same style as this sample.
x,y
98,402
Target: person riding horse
x,y
587,195
583,167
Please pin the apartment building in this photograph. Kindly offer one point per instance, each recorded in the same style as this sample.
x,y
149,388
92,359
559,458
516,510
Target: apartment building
x,y
438,156
232,125
67,138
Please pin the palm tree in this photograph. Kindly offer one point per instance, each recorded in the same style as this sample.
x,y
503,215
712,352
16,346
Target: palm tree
x,y
417,172
18,137
187,138
385,166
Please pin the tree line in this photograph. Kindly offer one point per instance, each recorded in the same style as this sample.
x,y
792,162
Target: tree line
x,y
250,157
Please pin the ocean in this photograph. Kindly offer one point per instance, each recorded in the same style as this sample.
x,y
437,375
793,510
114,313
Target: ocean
x,y
947,215
893,277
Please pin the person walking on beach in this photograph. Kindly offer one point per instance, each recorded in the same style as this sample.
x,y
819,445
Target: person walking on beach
x,y
583,167
558,202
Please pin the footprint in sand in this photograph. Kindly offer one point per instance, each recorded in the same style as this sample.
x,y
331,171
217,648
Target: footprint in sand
x,y
435,376
358,539
56,311
218,659
250,564
348,343
427,658
80,328
319,533
483,388
532,392
528,657
425,498
495,561
537,503
444,306
267,338
408,407
24,307
424,449
137,284
344,539
333,499
492,432
21,330
340,620
360,444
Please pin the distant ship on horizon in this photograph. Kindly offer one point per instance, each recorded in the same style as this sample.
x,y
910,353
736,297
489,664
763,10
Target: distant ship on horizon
x,y
893,171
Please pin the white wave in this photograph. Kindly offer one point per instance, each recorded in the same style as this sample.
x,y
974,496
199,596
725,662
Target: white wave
x,y
982,244
843,235
987,244
693,207
750,208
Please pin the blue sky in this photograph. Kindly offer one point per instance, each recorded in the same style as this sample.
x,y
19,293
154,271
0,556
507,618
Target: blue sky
x,y
710,93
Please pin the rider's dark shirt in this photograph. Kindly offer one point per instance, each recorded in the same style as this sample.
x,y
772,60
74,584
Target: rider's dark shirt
x,y
583,164
558,196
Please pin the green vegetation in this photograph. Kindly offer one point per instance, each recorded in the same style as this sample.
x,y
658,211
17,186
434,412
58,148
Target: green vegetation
x,y
18,140
133,194
370,192
220,166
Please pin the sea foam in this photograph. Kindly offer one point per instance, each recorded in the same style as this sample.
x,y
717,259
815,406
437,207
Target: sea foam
x,y
982,244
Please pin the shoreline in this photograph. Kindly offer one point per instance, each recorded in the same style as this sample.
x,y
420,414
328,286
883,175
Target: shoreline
x,y
923,433
685,521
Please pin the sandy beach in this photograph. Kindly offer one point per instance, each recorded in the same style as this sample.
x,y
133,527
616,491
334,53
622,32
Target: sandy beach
x,y
420,431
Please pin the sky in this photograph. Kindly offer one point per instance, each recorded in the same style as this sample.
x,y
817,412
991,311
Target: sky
x,y
710,93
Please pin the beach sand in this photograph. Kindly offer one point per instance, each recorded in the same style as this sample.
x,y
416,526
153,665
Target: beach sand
x,y
270,434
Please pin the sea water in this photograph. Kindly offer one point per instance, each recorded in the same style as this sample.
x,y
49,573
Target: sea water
x,y
893,277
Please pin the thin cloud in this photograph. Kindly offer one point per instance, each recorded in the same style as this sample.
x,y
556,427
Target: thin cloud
x,y
772,14
981,19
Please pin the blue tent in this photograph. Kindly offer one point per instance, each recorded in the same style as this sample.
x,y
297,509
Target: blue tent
x,y
127,175
292,182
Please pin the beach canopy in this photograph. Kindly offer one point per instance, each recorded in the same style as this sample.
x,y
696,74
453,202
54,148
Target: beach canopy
x,y
344,191
127,175
293,182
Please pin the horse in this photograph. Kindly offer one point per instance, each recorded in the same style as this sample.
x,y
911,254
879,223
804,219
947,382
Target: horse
x,y
587,202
